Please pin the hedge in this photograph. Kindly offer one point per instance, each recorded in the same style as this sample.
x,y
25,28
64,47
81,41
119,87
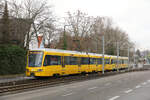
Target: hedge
x,y
12,60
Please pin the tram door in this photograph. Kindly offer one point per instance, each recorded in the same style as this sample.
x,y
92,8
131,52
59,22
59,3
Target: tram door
x,y
79,65
63,65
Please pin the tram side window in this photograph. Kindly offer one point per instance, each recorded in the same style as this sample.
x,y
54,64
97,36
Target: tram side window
x,y
92,60
71,60
125,61
112,61
99,60
107,61
116,61
67,60
52,60
95,61
84,61
120,61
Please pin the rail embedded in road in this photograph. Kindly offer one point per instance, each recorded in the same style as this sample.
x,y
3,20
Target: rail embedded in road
x,y
26,85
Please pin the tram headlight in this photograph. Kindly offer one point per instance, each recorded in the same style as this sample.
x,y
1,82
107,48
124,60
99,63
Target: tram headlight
x,y
39,70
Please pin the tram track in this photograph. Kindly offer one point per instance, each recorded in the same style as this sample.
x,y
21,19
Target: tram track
x,y
26,85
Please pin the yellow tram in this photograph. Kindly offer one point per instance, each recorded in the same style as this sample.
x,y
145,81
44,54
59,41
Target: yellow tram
x,y
55,62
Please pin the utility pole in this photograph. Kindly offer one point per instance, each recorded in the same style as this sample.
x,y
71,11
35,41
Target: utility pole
x,y
103,66
128,56
118,56
134,57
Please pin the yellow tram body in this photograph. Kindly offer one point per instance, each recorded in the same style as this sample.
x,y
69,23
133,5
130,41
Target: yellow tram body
x,y
124,62
51,62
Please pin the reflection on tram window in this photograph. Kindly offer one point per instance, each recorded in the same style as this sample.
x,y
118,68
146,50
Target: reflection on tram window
x,y
52,60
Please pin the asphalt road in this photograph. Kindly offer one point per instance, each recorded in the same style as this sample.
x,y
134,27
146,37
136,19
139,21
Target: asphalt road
x,y
127,86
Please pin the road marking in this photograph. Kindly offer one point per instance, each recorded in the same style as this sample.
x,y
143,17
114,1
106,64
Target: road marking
x,y
68,91
144,83
67,94
128,91
115,97
76,86
138,86
107,84
92,88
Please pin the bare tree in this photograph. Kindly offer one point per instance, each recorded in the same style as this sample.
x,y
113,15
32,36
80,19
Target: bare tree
x,y
51,33
99,28
37,12
5,25
80,25
1,7
86,33
104,26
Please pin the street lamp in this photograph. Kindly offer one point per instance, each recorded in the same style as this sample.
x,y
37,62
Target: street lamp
x,y
118,56
103,52
128,56
103,63
128,53
118,53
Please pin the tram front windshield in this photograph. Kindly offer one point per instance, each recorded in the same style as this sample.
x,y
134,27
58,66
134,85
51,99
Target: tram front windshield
x,y
35,58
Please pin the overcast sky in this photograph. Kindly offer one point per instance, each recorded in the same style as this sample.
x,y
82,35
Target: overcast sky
x,y
133,16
